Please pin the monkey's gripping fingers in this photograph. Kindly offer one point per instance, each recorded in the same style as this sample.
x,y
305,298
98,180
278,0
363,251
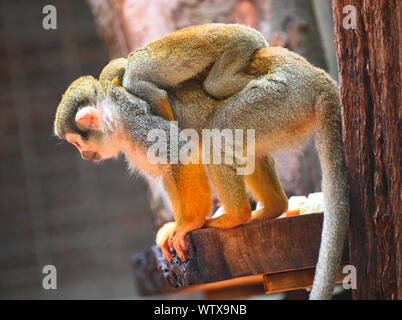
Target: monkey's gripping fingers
x,y
162,239
170,236
155,96
176,241
116,82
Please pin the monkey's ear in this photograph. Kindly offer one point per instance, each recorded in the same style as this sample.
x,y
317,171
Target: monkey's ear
x,y
88,118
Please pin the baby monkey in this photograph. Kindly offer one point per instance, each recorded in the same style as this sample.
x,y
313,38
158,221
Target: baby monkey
x,y
223,49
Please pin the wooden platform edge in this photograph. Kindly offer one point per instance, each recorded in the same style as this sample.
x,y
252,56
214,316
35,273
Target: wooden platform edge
x,y
221,257
294,279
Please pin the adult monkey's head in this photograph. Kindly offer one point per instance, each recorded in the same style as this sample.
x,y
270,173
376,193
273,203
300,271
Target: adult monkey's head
x,y
84,116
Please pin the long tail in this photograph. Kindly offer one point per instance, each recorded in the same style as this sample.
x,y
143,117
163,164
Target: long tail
x,y
328,141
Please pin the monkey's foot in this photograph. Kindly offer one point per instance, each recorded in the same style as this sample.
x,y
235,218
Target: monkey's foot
x,y
162,239
176,239
227,220
263,213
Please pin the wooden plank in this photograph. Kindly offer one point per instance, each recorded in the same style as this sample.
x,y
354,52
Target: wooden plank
x,y
258,248
293,280
229,284
216,255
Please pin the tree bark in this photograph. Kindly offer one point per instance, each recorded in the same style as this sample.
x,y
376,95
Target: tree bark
x,y
369,59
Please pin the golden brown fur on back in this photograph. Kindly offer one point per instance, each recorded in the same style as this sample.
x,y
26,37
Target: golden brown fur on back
x,y
224,49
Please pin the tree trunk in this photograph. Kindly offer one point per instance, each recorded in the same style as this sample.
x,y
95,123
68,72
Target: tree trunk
x,y
369,59
127,25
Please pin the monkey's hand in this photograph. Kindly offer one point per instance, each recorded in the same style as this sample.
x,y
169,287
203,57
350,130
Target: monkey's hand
x,y
172,236
121,97
176,239
163,108
162,238
116,82
190,194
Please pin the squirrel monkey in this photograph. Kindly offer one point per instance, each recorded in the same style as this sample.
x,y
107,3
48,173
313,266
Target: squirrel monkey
x,y
224,49
285,100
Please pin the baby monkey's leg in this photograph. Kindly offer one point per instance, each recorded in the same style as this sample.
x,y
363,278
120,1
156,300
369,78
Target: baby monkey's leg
x,y
228,73
158,98
190,194
141,81
266,188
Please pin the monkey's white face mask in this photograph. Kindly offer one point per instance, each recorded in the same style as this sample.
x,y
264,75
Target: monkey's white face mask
x,y
96,139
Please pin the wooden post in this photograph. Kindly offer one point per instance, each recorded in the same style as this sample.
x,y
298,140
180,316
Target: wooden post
x,y
369,59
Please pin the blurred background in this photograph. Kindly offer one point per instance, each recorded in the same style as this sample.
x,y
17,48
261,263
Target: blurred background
x,y
88,220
